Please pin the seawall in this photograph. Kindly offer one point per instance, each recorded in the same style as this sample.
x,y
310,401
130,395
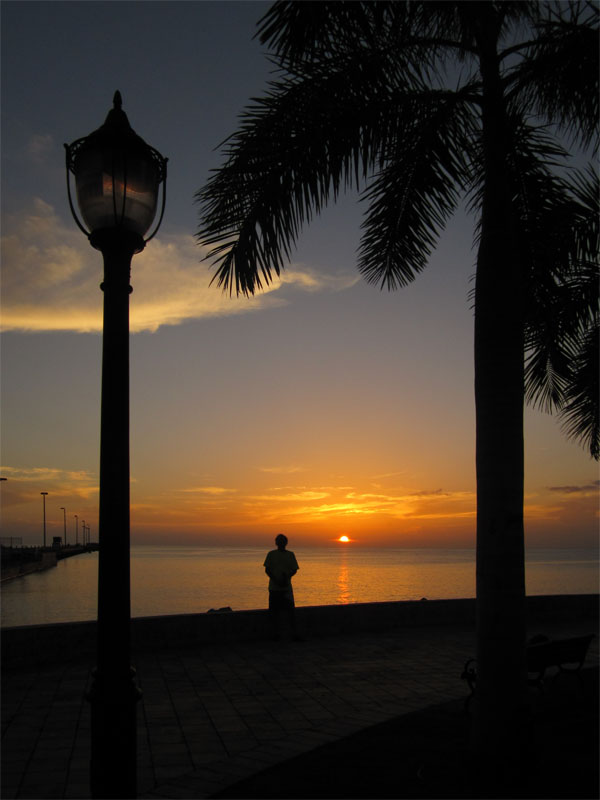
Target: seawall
x,y
9,572
33,645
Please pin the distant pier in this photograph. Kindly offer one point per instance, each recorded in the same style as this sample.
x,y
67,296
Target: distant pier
x,y
19,561
75,550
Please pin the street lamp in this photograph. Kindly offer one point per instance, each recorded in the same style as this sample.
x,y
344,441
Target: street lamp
x,y
117,179
76,529
44,494
64,510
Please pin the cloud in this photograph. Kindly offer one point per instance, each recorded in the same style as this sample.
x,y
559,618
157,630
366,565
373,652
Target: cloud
x,y
51,277
302,495
41,474
284,470
586,489
305,504
305,278
212,490
24,485
39,146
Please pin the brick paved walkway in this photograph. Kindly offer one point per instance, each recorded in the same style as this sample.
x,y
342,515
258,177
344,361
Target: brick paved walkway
x,y
211,716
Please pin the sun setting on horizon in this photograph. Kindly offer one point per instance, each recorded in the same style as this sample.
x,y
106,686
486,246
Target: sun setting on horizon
x,y
321,404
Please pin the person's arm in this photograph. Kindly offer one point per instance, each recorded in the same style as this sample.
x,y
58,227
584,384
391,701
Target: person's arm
x,y
291,568
276,577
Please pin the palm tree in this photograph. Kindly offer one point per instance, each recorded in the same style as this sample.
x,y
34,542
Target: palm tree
x,y
418,105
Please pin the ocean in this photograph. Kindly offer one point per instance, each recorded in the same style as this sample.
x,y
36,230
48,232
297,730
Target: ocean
x,y
184,580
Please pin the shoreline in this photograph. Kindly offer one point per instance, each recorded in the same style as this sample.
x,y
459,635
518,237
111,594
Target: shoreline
x,y
37,645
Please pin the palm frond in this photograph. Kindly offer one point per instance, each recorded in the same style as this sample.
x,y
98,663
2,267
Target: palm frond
x,y
417,191
558,78
422,31
309,138
581,412
562,299
308,31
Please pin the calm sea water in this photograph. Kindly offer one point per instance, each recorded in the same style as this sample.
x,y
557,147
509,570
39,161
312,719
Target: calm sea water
x,y
178,580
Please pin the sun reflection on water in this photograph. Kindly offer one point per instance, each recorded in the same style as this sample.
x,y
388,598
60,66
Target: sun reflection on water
x,y
343,582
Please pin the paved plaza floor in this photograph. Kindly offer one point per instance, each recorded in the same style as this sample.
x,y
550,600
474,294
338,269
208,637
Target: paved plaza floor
x,y
214,715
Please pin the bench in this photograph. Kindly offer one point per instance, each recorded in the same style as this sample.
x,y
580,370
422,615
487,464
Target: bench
x,y
541,654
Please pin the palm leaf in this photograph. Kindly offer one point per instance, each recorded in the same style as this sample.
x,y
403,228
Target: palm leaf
x,y
308,139
581,411
562,305
558,78
414,195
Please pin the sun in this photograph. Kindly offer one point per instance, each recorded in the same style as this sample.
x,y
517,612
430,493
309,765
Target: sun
x,y
343,539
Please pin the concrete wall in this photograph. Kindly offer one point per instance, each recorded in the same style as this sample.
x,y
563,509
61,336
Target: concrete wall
x,y
17,570
33,645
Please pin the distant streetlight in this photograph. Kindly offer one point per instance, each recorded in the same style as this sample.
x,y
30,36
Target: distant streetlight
x,y
44,503
117,178
64,510
76,528
83,532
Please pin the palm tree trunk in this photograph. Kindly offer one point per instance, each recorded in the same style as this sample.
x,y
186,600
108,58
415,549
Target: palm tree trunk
x,y
499,380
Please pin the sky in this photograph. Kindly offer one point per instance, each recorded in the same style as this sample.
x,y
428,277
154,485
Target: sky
x,y
319,408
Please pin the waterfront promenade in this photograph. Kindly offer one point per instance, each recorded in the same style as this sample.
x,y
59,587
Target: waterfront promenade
x,y
215,713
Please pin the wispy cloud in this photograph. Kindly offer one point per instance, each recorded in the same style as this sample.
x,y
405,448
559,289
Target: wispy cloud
x,y
41,474
291,496
284,470
25,484
39,146
211,490
51,277
585,489
306,504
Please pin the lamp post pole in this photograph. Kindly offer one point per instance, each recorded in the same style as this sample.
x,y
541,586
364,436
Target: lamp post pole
x,y
117,176
44,494
64,510
76,529
114,693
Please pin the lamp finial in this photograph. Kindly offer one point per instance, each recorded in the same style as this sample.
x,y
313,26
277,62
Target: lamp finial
x,y
117,100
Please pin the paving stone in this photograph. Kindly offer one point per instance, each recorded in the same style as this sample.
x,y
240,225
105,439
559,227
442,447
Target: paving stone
x,y
209,715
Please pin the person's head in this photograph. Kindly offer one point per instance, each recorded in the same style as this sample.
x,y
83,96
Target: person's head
x,y
281,541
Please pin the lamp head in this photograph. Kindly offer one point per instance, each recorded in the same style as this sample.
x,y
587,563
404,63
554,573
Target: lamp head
x,y
117,179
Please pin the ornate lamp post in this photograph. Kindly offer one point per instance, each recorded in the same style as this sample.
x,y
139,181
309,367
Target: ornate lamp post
x,y
117,178
44,494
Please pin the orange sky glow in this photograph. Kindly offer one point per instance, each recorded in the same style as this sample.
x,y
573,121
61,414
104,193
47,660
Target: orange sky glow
x,y
319,408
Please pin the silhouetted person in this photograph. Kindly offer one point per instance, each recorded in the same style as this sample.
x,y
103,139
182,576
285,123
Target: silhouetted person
x,y
280,565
